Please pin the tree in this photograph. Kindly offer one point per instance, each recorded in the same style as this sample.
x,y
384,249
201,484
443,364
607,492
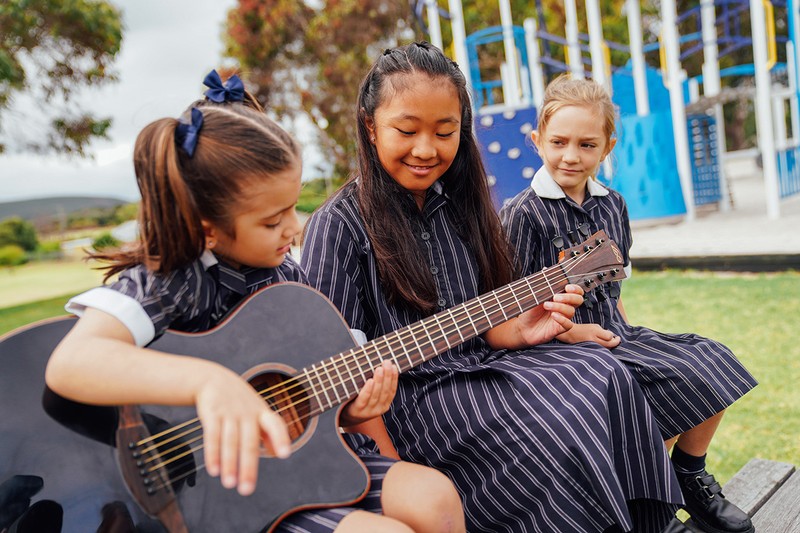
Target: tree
x,y
17,231
304,61
51,48
308,61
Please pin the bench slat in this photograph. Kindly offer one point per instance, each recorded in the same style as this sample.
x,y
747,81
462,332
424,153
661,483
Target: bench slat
x,y
755,484
781,514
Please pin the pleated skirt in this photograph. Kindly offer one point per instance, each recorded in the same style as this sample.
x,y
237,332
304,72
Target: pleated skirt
x,y
326,520
555,438
685,377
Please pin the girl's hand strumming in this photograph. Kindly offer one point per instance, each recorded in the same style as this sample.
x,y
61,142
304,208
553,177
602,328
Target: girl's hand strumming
x,y
236,421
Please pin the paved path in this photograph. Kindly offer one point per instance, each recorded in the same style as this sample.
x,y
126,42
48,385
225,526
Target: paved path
x,y
743,238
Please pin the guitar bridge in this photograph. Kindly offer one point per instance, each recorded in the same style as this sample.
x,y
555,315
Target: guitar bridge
x,y
142,468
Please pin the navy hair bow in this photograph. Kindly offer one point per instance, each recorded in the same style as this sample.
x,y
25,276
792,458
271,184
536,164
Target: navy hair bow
x,y
232,91
187,133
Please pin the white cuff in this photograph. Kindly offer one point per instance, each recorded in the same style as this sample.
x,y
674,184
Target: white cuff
x,y
359,336
121,306
628,270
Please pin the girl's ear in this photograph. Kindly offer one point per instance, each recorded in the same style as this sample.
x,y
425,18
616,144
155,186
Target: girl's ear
x,y
370,124
535,138
611,144
210,232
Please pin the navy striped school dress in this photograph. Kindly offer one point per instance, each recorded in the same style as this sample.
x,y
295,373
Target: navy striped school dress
x,y
686,378
550,439
196,298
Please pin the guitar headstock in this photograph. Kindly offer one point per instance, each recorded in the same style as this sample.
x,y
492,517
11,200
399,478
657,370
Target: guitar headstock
x,y
595,261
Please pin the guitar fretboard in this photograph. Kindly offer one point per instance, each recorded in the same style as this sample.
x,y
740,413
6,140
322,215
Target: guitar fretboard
x,y
339,378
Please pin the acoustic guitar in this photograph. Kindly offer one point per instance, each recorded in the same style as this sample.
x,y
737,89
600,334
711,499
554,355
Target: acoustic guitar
x,y
140,468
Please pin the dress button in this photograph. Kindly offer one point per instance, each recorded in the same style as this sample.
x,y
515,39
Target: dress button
x,y
442,302
425,235
434,270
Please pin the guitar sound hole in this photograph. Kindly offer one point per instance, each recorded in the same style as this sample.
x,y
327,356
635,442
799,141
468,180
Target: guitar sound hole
x,y
286,397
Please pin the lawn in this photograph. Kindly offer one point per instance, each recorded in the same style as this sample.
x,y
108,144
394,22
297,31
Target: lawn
x,y
756,315
44,280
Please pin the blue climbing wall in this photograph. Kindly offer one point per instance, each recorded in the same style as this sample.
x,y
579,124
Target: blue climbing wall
x,y
511,161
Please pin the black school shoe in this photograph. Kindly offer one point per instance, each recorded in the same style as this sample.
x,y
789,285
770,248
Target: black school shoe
x,y
676,526
708,507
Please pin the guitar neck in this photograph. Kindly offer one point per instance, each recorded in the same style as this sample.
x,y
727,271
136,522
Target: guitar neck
x,y
340,378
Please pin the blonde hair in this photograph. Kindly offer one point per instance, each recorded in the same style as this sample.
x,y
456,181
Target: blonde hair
x,y
566,91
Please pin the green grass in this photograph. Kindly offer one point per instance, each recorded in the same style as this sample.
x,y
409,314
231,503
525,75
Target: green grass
x,y
21,315
757,317
42,280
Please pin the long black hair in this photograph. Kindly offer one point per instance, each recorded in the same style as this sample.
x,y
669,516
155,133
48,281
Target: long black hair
x,y
386,206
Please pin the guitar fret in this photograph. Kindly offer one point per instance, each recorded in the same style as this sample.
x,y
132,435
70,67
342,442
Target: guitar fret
x,y
471,323
369,360
544,275
483,309
430,340
419,350
391,352
454,321
405,352
446,339
500,305
514,294
311,386
532,290
322,384
339,381
356,388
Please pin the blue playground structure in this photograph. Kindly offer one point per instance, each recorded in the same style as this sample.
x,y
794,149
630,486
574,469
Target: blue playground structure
x,y
661,170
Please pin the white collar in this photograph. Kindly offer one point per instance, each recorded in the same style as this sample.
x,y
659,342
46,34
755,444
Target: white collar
x,y
208,259
545,186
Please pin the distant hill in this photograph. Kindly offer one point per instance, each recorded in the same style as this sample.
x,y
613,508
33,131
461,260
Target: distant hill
x,y
47,208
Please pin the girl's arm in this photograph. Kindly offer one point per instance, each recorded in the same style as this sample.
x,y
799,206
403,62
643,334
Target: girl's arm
x,y
538,325
363,414
98,363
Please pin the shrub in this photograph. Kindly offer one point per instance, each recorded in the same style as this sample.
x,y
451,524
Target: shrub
x,y
105,240
12,255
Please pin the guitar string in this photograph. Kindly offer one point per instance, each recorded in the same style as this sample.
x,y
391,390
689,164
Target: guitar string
x,y
171,472
192,450
386,340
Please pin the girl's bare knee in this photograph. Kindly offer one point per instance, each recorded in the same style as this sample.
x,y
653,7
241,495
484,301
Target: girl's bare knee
x,y
423,498
360,521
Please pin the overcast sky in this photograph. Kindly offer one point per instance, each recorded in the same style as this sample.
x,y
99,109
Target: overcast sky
x,y
168,48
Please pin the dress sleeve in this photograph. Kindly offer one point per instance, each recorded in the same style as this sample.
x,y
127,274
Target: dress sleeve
x,y
147,303
520,233
627,236
331,260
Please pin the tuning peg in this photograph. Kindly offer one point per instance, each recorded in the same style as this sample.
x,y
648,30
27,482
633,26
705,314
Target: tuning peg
x,y
588,302
614,272
587,282
573,237
614,291
584,229
558,242
601,296
601,276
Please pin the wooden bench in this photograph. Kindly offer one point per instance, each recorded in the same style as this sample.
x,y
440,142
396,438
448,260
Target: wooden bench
x,y
769,492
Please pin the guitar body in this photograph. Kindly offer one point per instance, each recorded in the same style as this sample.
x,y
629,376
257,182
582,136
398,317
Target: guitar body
x,y
70,446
